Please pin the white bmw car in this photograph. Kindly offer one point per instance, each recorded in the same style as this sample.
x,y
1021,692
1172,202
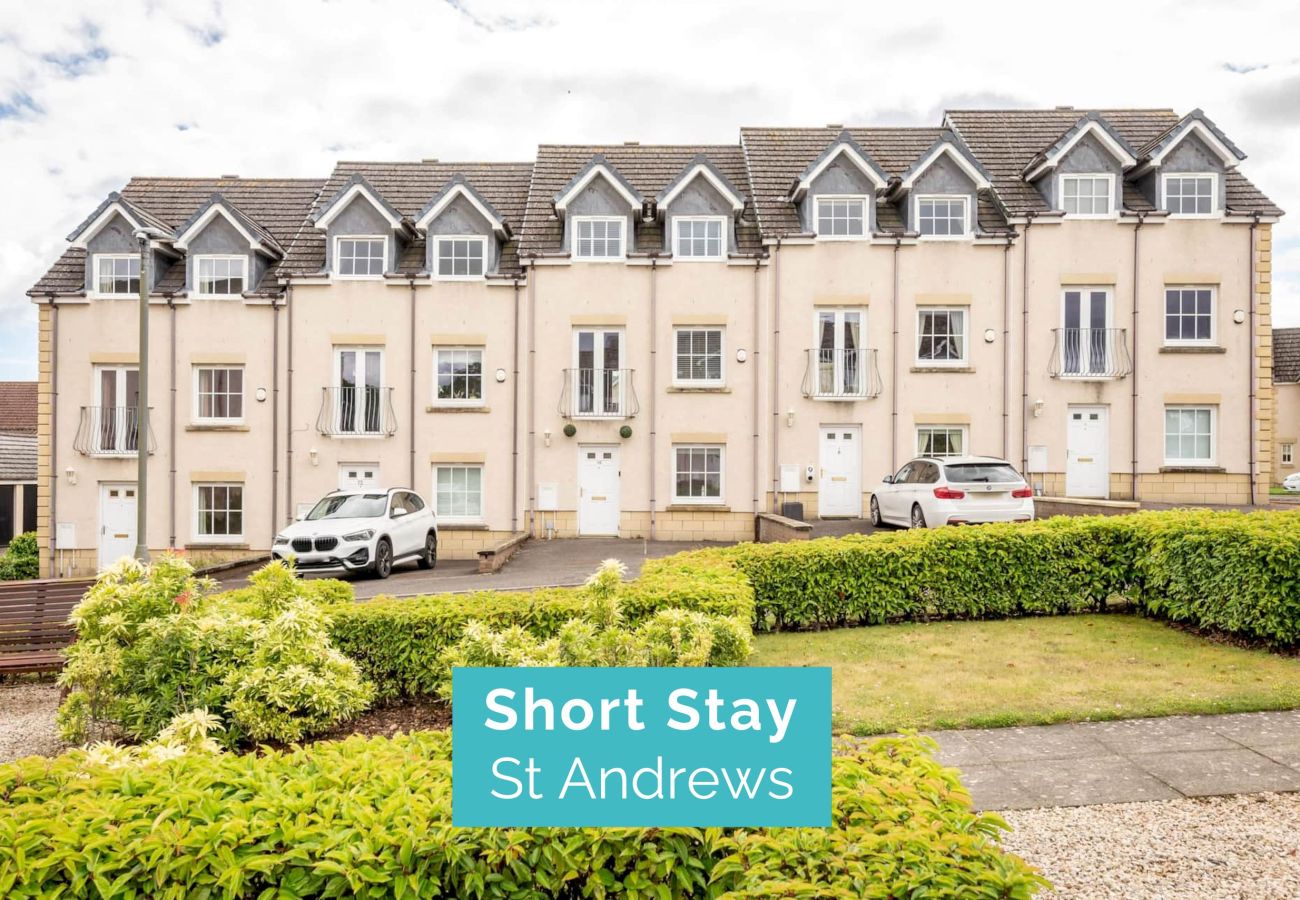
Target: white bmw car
x,y
929,492
1292,482
362,531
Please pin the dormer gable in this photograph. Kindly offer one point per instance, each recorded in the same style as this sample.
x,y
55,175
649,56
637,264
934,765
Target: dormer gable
x,y
356,188
598,168
701,168
363,230
114,205
1198,125
459,191
948,147
844,148
218,208
1091,131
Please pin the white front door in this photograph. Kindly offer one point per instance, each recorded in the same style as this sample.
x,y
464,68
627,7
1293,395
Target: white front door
x,y
840,487
116,522
358,476
598,500
1087,462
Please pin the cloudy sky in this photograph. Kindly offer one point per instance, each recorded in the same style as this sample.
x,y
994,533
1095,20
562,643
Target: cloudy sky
x,y
93,92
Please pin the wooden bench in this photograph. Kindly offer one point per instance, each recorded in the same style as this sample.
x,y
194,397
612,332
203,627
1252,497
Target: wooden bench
x,y
34,623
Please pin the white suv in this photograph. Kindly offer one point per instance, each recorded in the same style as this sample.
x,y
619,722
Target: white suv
x,y
355,531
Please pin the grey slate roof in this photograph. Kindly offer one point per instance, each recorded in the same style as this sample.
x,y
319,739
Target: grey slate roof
x,y
18,407
17,457
1286,355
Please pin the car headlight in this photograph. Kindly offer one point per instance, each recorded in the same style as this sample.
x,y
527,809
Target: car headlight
x,y
359,536
281,539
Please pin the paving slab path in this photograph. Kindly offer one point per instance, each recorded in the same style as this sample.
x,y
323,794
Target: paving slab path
x,y
1088,763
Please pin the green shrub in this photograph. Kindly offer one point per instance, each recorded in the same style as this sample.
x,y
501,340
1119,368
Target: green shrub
x,y
21,560
372,818
153,643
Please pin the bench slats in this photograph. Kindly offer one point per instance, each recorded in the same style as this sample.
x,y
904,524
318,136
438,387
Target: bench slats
x,y
34,623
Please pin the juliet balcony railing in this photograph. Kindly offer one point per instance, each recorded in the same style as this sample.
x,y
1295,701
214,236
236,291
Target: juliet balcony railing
x,y
598,394
841,375
110,431
356,411
1095,354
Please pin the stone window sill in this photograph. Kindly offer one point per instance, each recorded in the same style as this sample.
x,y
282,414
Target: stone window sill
x,y
1213,470
1193,349
687,389
946,370
458,409
217,545
463,526
698,507
231,428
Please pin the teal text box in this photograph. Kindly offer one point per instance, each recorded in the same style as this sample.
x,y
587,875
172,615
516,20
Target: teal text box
x,y
752,747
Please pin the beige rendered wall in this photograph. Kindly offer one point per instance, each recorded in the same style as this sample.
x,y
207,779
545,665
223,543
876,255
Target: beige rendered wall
x,y
1287,429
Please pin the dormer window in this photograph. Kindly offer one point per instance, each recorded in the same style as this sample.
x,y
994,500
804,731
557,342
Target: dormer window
x,y
699,237
361,257
942,218
598,238
1190,195
220,276
117,274
461,256
1087,195
841,217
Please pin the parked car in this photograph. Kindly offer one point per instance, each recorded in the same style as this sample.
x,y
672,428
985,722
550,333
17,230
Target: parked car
x,y
362,531
929,492
1292,482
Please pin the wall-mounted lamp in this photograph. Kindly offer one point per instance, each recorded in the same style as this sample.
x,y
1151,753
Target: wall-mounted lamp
x,y
501,375
315,457
989,335
741,355
260,394
789,418
1038,407
1238,316
71,474
546,438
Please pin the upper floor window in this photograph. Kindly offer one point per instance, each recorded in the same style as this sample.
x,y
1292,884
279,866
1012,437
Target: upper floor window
x,y
1189,315
941,337
942,217
219,393
841,216
1087,195
699,356
459,374
598,237
220,276
461,257
698,238
117,274
1190,195
361,257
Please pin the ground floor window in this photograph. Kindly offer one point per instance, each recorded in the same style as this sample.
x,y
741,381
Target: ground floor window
x,y
219,511
1288,454
940,440
1189,435
697,473
458,492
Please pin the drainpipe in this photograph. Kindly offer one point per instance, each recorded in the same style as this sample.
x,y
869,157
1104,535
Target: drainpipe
x,y
893,364
1250,361
514,417
756,481
275,417
1006,346
776,371
411,281
1024,339
142,409
654,268
532,396
171,424
1133,413
289,514
54,429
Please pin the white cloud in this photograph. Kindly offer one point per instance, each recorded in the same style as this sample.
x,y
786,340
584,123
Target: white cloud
x,y
91,93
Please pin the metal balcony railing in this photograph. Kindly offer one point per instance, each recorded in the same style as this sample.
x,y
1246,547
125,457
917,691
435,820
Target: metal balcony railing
x,y
1090,353
598,394
110,431
842,375
356,412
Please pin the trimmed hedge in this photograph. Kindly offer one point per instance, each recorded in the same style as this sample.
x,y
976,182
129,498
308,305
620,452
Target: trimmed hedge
x,y
372,818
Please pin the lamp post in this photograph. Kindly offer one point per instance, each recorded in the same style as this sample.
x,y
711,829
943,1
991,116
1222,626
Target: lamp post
x,y
142,411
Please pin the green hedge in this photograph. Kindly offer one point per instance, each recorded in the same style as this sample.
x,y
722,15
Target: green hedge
x,y
371,818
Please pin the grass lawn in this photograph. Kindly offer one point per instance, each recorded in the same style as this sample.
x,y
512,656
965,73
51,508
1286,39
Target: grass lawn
x,y
1031,671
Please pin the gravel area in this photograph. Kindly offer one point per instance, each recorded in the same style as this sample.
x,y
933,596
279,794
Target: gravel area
x,y
27,726
1246,846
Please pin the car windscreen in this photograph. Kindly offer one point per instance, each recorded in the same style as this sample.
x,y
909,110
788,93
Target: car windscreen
x,y
981,473
350,506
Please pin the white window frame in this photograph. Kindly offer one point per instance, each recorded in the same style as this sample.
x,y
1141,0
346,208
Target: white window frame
x,y
819,199
336,379
197,405
482,398
358,237
575,241
968,231
722,357
1178,462
963,430
722,475
95,292
438,241
482,495
964,360
1112,210
232,257
1085,350
1286,453
197,515
839,369
1211,341
722,238
1215,211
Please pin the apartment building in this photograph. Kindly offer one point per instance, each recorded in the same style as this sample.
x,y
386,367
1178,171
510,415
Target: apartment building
x,y
665,340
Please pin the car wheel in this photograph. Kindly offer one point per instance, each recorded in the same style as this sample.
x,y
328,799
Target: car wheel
x,y
429,558
876,521
918,517
383,559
